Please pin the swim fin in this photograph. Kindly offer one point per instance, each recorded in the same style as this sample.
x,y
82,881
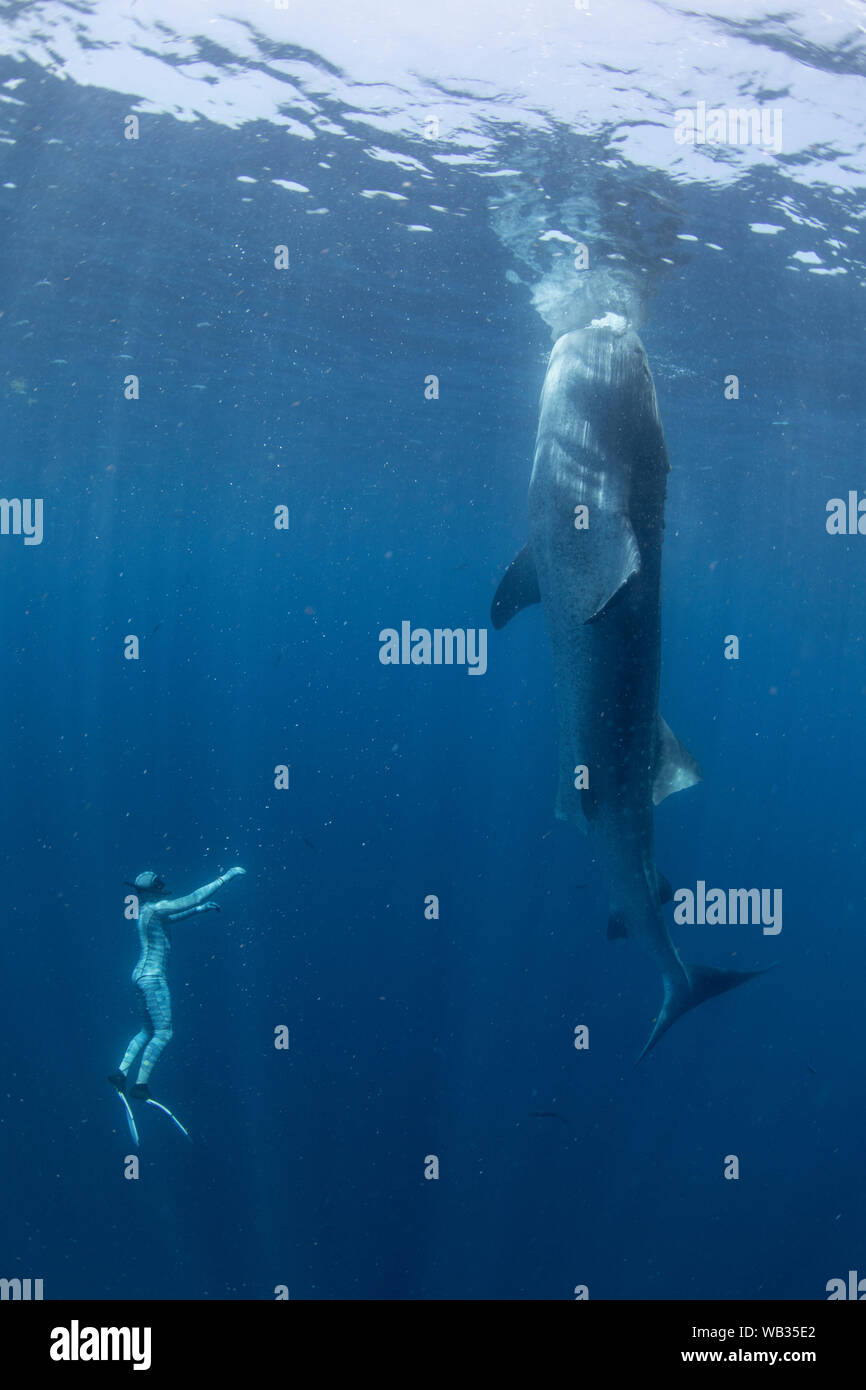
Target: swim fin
x,y
130,1119
165,1110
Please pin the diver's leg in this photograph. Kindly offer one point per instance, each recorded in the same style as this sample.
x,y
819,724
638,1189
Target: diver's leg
x,y
158,1002
137,1045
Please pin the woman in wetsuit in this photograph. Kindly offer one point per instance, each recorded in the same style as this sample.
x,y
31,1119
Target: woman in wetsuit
x,y
155,916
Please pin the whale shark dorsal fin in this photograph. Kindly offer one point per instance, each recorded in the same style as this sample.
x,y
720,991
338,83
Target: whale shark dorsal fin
x,y
518,589
675,767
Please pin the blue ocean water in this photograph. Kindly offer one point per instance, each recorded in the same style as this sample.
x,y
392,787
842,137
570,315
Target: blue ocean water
x,y
414,255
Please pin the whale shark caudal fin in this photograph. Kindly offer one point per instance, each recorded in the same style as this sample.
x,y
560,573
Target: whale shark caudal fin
x,y
705,981
518,589
675,768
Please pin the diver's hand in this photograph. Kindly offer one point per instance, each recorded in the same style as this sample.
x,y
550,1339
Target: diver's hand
x,y
233,873
211,907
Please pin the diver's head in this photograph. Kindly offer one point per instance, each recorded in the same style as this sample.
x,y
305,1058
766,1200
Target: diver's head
x,y
148,884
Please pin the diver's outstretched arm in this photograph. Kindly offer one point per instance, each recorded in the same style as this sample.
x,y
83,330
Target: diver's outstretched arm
x,y
192,900
191,911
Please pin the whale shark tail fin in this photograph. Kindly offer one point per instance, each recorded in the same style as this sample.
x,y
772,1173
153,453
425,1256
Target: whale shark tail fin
x,y
703,982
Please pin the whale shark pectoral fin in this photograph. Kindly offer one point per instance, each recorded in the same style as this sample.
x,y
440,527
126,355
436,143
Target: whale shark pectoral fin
x,y
704,982
675,767
612,556
518,589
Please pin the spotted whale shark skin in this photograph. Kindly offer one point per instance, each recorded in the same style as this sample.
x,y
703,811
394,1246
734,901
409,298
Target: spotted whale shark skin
x,y
593,561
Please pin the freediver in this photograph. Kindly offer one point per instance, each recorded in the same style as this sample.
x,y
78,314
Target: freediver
x,y
155,916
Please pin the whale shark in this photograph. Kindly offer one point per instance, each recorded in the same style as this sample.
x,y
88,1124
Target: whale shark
x,y
593,561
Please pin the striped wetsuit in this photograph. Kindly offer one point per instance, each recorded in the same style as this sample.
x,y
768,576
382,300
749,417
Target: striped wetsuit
x,y
154,935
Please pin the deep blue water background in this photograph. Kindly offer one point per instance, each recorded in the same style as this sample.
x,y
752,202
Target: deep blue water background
x,y
408,1037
